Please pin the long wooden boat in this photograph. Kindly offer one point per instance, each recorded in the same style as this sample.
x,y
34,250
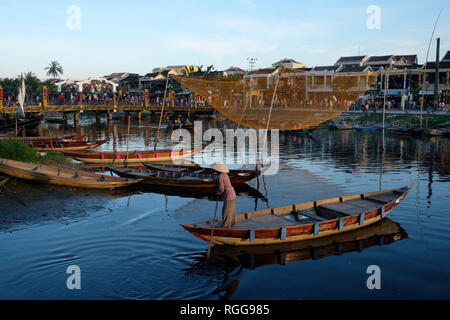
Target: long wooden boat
x,y
61,176
9,134
123,157
371,127
383,233
188,179
55,140
402,131
302,221
65,146
195,168
341,125
436,132
193,193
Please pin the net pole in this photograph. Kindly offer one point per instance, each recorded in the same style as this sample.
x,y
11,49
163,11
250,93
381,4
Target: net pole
x,y
265,138
162,111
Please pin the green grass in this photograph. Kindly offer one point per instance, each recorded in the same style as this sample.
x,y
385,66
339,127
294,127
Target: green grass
x,y
15,150
404,119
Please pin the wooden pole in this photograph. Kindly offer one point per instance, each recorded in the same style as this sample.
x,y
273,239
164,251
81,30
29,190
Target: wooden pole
x,y
425,69
128,137
265,137
212,230
162,111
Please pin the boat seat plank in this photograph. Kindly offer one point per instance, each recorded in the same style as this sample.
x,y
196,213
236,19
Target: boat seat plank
x,y
266,221
342,208
384,197
309,215
365,204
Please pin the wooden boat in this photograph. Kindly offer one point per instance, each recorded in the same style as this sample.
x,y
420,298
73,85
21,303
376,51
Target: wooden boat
x,y
302,221
9,134
341,125
55,140
371,127
61,176
436,132
65,146
383,233
136,156
403,131
193,193
188,179
195,168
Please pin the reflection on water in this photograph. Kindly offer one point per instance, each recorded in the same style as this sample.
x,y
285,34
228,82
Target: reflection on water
x,y
232,260
129,243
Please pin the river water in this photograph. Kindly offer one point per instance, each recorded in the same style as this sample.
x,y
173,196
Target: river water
x,y
130,245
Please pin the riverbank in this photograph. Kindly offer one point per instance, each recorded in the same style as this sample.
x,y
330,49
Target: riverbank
x,y
398,117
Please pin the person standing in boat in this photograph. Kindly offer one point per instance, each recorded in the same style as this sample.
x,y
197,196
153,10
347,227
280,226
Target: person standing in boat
x,y
227,194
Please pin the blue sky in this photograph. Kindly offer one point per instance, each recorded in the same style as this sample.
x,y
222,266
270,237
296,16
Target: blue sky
x,y
136,36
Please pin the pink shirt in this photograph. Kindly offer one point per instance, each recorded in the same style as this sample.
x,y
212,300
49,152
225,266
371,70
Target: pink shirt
x,y
224,188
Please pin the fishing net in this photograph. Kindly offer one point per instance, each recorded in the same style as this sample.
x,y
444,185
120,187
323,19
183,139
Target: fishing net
x,y
292,99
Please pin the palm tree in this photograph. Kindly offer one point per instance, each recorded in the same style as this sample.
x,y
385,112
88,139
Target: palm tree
x,y
54,69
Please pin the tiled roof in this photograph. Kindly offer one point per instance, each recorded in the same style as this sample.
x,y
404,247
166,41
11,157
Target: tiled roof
x,y
442,65
379,58
351,58
411,58
325,68
446,57
352,68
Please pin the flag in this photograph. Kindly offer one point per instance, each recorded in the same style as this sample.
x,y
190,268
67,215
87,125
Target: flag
x,y
21,98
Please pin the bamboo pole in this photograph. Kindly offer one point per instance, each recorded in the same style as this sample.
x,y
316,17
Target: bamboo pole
x,y
425,68
212,230
265,136
162,111
128,138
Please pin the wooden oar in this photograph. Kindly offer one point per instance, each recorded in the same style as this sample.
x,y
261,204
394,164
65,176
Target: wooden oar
x,y
212,230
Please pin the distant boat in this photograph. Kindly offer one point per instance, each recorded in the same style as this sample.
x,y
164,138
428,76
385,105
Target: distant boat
x,y
436,132
54,140
403,131
341,125
371,127
136,156
302,221
195,168
64,146
185,179
61,176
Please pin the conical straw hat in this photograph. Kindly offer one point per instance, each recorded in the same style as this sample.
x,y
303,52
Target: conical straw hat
x,y
221,167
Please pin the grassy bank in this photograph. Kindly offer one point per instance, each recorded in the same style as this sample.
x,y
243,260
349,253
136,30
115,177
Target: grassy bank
x,y
404,119
16,150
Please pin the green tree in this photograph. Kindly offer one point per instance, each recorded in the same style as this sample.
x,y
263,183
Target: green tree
x,y
54,69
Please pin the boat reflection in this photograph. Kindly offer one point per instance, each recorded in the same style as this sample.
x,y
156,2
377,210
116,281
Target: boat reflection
x,y
204,194
233,259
